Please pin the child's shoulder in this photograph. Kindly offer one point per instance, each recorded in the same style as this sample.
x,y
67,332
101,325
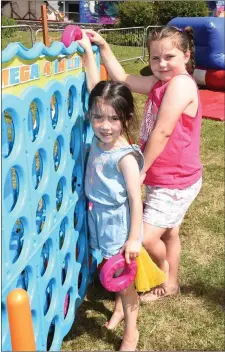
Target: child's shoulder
x,y
129,147
132,151
182,81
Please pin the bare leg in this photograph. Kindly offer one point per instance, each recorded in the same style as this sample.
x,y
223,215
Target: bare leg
x,y
154,245
130,303
118,314
172,243
163,245
156,248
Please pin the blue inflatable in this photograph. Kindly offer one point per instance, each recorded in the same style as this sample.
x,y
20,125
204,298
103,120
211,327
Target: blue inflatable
x,y
209,40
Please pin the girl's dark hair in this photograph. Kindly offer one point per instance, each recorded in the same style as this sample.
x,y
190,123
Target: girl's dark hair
x,y
183,39
120,98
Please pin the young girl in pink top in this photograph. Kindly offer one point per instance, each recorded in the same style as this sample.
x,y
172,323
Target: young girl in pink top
x,y
170,141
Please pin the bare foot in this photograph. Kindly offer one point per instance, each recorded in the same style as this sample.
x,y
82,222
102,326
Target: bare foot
x,y
115,319
130,344
172,290
159,293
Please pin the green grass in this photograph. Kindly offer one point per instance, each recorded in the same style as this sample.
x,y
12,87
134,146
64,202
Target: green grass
x,y
21,36
121,51
25,38
193,320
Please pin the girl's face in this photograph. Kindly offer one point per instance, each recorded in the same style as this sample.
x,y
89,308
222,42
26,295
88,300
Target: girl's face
x,y
166,60
106,125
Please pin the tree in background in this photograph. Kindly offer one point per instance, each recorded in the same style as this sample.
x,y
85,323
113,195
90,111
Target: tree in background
x,y
8,32
135,13
144,13
166,10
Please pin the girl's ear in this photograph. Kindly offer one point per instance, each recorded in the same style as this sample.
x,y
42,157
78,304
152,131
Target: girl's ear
x,y
128,121
187,56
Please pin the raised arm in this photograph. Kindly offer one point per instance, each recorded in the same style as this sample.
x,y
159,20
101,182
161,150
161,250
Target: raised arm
x,y
93,75
138,84
132,178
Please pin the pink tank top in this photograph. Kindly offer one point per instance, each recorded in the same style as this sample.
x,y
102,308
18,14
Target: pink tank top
x,y
179,165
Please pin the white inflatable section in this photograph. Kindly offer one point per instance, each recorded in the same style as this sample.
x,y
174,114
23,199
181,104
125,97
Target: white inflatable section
x,y
199,76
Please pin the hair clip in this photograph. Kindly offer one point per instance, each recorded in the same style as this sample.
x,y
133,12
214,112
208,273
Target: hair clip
x,y
182,30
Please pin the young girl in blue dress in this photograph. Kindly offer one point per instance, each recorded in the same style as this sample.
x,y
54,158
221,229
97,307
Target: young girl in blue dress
x,y
112,186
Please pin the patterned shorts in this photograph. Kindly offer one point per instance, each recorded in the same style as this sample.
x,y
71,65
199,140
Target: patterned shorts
x,y
166,207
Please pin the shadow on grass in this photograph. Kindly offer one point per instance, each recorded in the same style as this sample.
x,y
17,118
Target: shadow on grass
x,y
93,325
201,289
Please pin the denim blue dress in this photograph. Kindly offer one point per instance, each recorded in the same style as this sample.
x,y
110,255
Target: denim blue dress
x,y
105,187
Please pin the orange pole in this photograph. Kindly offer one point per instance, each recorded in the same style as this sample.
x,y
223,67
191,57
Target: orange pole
x,y
44,17
20,321
103,73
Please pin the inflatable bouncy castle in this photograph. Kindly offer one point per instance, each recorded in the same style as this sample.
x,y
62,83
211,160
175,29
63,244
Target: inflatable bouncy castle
x,y
209,59
209,49
220,8
103,12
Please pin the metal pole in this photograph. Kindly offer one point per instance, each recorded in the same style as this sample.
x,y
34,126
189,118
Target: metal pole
x,y
44,24
64,8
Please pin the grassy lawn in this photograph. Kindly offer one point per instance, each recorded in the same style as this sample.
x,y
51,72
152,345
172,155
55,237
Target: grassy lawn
x,y
25,38
193,320
121,52
21,36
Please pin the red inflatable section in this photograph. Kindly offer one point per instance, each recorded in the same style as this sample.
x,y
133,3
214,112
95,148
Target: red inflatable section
x,y
215,79
213,104
212,79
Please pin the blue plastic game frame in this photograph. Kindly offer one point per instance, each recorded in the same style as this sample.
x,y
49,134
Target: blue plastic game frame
x,y
45,140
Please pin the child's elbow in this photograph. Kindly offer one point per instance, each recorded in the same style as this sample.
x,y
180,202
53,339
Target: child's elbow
x,y
165,134
161,133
